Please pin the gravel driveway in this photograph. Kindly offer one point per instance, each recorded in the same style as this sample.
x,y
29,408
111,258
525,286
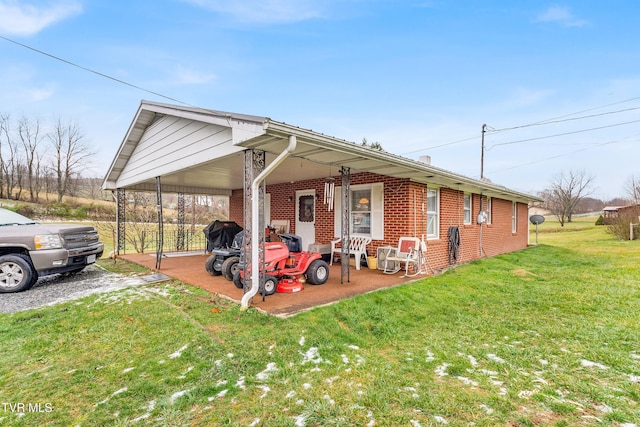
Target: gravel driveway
x,y
57,288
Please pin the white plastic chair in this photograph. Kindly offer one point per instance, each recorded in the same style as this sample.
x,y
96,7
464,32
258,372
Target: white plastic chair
x,y
357,247
409,253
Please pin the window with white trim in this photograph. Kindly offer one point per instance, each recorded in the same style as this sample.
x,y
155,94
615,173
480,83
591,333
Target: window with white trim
x,y
433,214
514,218
367,211
467,208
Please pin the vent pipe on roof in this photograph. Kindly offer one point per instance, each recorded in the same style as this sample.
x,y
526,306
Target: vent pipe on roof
x,y
255,221
425,159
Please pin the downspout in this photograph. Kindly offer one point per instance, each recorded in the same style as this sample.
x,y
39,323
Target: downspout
x,y
255,221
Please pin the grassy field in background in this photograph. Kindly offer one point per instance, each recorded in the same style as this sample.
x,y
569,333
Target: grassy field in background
x,y
547,336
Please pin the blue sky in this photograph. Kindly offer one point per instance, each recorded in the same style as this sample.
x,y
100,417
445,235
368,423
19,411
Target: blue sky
x,y
420,77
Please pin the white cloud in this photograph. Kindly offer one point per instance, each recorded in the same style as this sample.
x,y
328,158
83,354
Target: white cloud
x,y
265,11
562,16
18,18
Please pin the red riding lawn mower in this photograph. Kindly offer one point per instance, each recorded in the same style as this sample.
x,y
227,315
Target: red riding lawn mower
x,y
287,267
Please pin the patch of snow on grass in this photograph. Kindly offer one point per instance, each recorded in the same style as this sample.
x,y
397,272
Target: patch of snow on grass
x,y
590,364
222,393
301,420
634,378
345,359
265,390
486,409
472,360
430,357
302,341
240,383
441,370
353,347
311,356
467,381
177,395
124,371
440,419
178,353
255,422
495,358
271,367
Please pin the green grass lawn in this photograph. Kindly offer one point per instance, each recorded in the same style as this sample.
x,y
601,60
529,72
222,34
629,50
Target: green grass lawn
x,y
547,336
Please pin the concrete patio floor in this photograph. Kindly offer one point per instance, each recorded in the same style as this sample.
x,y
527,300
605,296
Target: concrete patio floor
x,y
190,269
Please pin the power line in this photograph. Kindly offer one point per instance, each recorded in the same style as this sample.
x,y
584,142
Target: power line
x,y
561,155
562,134
551,121
57,58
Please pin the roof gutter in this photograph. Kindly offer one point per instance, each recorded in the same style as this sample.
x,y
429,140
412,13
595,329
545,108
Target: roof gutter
x,y
255,221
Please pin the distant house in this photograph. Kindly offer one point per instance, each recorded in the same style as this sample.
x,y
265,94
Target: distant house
x,y
321,186
612,213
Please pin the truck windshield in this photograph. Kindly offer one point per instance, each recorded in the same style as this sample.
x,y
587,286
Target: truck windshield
x,y
8,217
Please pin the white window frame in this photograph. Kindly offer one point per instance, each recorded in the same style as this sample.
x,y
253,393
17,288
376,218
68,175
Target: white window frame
x,y
514,218
467,208
376,211
433,215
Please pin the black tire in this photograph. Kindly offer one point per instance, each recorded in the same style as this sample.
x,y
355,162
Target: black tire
x,y
230,266
318,272
16,273
237,280
269,286
208,265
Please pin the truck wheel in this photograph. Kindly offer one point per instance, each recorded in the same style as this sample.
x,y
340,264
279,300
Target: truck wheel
x,y
16,273
318,272
269,286
208,265
229,267
237,280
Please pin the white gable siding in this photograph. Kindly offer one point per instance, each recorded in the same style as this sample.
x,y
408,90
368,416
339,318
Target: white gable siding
x,y
172,144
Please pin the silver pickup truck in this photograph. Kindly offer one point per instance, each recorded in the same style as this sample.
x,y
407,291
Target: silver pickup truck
x,y
29,250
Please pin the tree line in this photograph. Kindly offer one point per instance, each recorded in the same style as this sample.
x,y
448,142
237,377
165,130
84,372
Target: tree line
x,y
36,158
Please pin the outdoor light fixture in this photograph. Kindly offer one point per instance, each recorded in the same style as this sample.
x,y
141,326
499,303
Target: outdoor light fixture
x,y
363,201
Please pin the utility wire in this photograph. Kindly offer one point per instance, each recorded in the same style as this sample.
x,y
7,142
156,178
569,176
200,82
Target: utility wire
x,y
559,155
551,121
561,134
57,58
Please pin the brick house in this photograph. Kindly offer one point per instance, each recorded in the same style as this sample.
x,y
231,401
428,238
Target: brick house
x,y
185,150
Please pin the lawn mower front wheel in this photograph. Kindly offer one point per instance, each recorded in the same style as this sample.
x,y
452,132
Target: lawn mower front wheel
x,y
269,286
318,272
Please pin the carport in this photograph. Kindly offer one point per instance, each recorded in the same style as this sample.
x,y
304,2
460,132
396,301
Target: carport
x,y
185,150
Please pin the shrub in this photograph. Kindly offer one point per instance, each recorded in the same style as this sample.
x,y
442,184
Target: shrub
x,y
600,220
621,227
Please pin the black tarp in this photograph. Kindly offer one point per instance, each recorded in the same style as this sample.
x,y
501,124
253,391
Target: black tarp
x,y
220,234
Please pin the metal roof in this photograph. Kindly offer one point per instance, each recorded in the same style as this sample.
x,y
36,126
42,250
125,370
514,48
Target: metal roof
x,y
316,156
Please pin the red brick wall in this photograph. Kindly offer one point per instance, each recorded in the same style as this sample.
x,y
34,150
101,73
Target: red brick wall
x,y
405,215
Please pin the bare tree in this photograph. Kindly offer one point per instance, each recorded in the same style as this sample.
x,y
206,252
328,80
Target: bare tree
x,y
70,155
4,137
566,192
632,187
11,166
29,134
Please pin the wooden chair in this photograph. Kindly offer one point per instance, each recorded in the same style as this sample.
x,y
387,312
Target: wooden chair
x,y
357,247
408,252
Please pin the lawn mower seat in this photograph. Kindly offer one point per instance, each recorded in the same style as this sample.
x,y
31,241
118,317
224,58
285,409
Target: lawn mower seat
x,y
293,242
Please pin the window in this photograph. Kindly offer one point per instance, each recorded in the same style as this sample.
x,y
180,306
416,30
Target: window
x,y
467,208
367,211
514,218
360,222
433,214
